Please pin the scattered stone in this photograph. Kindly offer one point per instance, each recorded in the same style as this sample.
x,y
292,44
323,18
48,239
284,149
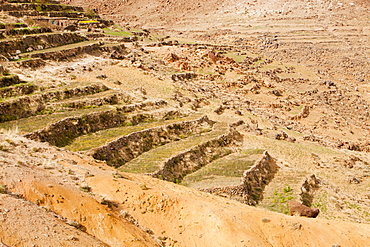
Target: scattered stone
x,y
291,139
296,226
265,220
219,110
281,136
76,225
277,92
116,55
143,187
238,112
183,76
88,174
236,124
3,189
354,180
73,238
172,57
71,28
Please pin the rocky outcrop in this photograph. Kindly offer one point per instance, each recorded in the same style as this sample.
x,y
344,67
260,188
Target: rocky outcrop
x,y
64,131
254,180
175,168
126,148
27,106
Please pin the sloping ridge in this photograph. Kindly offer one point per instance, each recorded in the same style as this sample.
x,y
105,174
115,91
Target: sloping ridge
x,y
172,214
165,12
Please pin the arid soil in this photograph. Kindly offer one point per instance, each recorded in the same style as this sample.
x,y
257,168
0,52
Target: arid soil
x,y
104,203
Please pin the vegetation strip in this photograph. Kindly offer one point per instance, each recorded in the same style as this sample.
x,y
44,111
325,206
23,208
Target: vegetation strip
x,y
27,106
175,168
254,180
66,130
126,148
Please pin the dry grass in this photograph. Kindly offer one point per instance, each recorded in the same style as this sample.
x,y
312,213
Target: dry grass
x,y
224,169
93,140
30,124
152,160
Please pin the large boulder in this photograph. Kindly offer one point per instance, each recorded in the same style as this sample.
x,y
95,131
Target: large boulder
x,y
296,208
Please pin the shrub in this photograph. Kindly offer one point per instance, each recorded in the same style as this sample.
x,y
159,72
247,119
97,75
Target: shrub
x,y
3,148
85,188
3,189
90,13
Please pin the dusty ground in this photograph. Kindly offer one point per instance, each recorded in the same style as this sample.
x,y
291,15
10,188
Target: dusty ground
x,y
53,179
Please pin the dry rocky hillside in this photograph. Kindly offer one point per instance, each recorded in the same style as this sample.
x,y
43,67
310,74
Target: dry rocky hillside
x,y
184,123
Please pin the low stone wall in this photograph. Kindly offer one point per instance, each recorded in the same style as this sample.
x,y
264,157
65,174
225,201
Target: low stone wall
x,y
27,106
113,99
126,148
121,48
64,131
38,42
329,141
64,54
17,90
141,106
27,31
309,185
32,63
303,114
177,167
254,180
39,7
9,80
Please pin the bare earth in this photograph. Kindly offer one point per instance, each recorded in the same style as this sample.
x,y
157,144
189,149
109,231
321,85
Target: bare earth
x,y
180,215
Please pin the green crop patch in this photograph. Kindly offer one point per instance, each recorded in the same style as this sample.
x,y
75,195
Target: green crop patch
x,y
224,171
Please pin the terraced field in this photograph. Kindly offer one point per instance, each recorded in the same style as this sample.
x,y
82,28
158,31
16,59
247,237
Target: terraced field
x,y
226,171
125,128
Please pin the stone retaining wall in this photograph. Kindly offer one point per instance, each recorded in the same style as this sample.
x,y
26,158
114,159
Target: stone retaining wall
x,y
32,63
59,55
254,180
126,148
113,99
309,185
36,42
17,90
39,7
27,31
27,106
9,80
177,167
64,131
